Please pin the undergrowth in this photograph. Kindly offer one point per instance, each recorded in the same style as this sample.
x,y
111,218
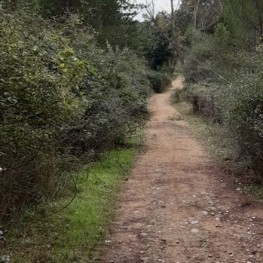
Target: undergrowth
x,y
73,234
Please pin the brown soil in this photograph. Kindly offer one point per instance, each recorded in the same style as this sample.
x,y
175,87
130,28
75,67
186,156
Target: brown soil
x,y
176,208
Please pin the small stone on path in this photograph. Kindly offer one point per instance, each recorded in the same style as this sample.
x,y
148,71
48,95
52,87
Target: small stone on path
x,y
194,231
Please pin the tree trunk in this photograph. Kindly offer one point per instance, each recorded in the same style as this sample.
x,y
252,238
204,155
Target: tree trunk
x,y
260,16
196,9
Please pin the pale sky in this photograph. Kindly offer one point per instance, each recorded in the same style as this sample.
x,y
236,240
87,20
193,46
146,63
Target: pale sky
x,y
160,5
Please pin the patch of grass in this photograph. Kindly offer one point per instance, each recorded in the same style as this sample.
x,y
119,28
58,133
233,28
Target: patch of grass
x,y
73,234
254,190
175,117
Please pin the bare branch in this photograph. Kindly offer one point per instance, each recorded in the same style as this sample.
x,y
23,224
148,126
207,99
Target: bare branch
x,y
150,9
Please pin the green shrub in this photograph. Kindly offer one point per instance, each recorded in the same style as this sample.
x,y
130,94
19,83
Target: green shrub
x,y
210,57
159,81
237,105
204,99
63,100
116,96
242,106
38,76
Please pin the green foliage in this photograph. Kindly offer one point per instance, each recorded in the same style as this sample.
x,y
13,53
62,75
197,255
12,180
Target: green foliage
x,y
245,21
207,59
62,100
223,72
111,19
39,74
116,100
156,46
156,49
237,105
74,233
159,81
243,112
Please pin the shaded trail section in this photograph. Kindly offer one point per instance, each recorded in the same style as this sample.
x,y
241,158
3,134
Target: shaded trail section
x,y
175,208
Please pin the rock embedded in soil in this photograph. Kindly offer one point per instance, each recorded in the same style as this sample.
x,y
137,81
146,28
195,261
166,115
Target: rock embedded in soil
x,y
195,231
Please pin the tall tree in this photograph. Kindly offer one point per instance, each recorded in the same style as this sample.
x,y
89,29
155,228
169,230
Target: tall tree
x,y
204,13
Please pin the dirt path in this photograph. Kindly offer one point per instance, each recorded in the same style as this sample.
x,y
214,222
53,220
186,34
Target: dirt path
x,y
175,208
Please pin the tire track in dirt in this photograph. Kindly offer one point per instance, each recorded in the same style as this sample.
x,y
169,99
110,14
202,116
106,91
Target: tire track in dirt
x,y
175,208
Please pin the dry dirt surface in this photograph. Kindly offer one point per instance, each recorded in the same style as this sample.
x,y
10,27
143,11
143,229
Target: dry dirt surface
x,y
175,208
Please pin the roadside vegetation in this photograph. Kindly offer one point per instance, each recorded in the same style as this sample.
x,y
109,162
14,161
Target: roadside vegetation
x,y
223,60
222,148
74,79
74,233
64,100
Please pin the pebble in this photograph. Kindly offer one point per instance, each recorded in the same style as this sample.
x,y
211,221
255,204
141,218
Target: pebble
x,y
205,213
145,259
194,222
144,234
5,259
194,231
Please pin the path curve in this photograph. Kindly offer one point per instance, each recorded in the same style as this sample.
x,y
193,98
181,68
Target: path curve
x,y
174,207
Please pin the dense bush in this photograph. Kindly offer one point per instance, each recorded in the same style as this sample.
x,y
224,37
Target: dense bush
x,y
204,99
232,97
38,75
222,67
223,73
242,108
159,80
116,97
61,99
207,59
